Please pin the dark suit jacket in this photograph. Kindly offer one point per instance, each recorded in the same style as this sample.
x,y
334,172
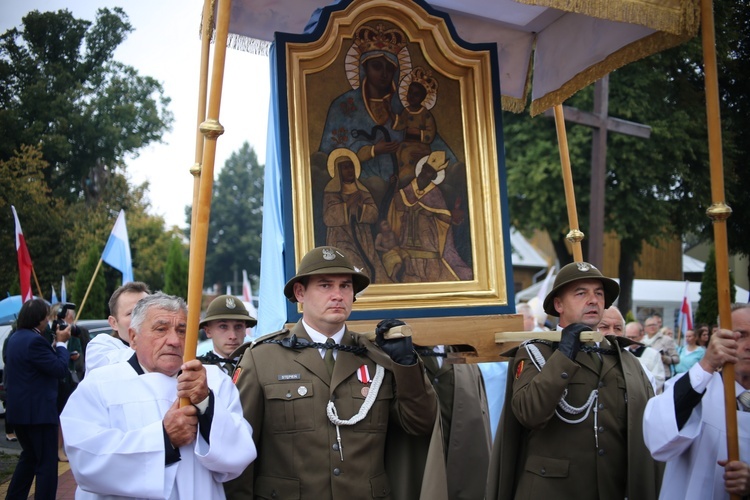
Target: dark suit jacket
x,y
34,369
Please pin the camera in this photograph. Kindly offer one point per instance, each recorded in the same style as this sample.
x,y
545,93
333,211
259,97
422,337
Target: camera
x,y
60,323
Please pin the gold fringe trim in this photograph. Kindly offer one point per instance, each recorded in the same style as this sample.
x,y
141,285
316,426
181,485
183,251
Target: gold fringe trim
x,y
630,53
678,17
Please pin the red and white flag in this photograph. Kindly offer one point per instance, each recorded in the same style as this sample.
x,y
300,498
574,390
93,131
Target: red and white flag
x,y
24,260
686,312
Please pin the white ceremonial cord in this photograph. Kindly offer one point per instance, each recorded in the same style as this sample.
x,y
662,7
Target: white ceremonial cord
x,y
538,360
372,395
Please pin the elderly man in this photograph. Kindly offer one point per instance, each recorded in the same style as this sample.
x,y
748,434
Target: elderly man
x,y
686,426
127,434
107,349
225,324
572,421
323,400
665,345
649,357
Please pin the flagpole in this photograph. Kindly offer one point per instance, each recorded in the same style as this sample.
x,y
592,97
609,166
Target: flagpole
x,y
719,212
211,129
38,288
575,235
91,283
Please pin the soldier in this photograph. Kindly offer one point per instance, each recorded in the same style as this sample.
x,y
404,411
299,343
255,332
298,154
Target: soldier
x,y
572,425
321,398
225,324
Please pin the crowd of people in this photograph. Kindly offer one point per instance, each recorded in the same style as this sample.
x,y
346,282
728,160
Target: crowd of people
x,y
320,411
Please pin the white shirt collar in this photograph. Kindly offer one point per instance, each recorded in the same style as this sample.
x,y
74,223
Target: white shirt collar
x,y
316,336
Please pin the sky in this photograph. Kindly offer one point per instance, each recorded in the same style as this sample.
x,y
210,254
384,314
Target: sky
x,y
165,45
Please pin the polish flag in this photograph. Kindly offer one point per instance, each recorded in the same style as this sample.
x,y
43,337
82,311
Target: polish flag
x,y
24,260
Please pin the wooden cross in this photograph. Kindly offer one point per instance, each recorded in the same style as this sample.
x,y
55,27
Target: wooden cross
x,y
600,122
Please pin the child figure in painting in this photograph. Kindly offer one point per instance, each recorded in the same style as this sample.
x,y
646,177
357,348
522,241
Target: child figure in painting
x,y
386,241
418,92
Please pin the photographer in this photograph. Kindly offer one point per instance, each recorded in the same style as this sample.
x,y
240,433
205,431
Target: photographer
x,y
34,368
62,317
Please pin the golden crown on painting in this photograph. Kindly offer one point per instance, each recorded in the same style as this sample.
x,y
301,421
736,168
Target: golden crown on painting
x,y
378,38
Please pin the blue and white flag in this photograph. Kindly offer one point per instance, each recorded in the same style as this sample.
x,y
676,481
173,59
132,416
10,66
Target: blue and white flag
x,y
117,251
53,300
63,293
272,312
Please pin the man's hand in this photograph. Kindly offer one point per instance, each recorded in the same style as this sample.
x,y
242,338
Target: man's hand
x,y
64,334
400,350
570,340
722,349
181,424
736,477
191,383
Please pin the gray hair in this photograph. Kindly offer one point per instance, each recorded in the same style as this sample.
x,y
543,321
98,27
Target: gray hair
x,y
159,300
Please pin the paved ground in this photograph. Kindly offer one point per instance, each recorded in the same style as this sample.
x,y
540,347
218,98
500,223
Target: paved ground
x,y
66,485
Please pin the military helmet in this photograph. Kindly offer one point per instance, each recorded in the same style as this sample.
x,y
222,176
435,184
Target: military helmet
x,y
326,260
580,271
228,307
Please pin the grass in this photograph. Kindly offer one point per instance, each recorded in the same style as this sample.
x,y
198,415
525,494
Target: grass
x,y
7,466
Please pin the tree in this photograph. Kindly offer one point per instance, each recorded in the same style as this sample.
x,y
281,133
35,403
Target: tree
x,y
176,270
43,220
95,306
236,220
656,188
60,88
708,305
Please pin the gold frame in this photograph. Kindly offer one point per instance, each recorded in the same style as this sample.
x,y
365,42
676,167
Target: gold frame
x,y
472,69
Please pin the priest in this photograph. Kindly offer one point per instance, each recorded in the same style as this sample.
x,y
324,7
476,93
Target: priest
x,y
125,432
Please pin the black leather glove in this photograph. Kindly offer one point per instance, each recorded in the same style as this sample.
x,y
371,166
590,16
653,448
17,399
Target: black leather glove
x,y
570,342
400,350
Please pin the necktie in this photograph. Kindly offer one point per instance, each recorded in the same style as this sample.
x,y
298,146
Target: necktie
x,y
228,367
328,356
744,400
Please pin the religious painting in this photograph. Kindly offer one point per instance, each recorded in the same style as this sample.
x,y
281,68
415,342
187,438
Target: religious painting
x,y
394,156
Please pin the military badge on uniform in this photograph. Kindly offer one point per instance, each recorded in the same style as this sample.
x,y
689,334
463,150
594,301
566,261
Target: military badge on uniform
x,y
328,254
363,375
236,375
584,266
519,369
230,303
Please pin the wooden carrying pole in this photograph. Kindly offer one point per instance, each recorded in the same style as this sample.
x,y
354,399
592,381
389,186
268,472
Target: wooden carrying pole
x,y
575,235
719,212
195,170
211,129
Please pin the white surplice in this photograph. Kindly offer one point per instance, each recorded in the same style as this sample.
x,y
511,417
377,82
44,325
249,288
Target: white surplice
x,y
691,453
112,425
105,350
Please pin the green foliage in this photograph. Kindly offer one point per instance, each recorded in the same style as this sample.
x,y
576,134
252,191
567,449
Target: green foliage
x,y
176,270
62,90
708,305
95,306
236,221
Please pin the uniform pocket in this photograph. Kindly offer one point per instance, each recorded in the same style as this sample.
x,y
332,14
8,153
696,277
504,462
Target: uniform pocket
x,y
381,487
547,467
377,417
276,488
290,406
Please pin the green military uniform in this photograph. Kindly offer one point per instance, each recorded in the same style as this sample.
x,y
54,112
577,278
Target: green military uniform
x,y
224,307
538,455
466,426
284,393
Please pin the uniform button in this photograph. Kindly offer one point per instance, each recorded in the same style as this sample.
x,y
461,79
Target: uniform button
x,y
601,406
601,384
274,495
564,375
435,380
601,429
288,394
336,471
600,452
543,471
335,447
